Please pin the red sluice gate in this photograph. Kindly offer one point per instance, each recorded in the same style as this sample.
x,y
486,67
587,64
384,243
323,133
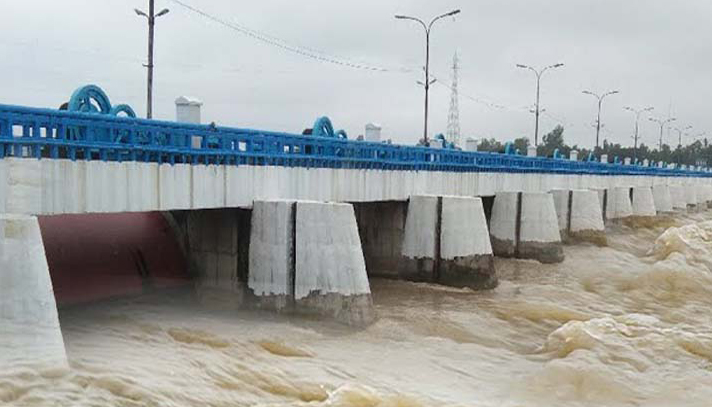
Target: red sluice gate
x,y
101,256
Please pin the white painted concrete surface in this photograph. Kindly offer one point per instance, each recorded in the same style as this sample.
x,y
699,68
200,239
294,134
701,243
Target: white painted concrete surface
x,y
662,198
679,197
691,194
539,222
643,203
46,186
618,205
464,228
29,325
329,258
586,212
420,225
503,221
270,248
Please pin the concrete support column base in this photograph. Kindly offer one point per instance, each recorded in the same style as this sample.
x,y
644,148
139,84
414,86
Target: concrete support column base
x,y
691,197
617,204
524,225
446,242
580,217
662,199
306,258
679,198
29,325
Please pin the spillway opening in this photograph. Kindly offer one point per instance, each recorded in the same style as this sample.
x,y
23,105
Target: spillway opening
x,y
487,204
95,257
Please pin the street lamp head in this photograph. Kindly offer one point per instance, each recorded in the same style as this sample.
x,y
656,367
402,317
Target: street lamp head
x,y
401,17
140,13
452,13
559,65
163,12
522,66
588,92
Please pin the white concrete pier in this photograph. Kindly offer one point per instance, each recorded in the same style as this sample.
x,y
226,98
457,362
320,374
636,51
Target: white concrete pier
x,y
691,197
679,197
579,214
643,203
29,325
618,204
447,241
306,258
662,198
525,225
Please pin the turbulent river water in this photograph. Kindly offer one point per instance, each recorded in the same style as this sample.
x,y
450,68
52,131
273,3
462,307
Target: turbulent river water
x,y
629,324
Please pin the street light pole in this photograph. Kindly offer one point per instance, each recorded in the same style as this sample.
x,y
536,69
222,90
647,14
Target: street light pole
x,y
600,102
428,82
151,17
662,124
679,134
637,112
537,111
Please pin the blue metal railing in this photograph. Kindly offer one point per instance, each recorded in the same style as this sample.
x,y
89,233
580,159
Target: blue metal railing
x,y
46,133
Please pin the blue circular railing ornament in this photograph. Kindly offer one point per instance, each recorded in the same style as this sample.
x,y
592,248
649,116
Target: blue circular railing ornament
x,y
89,99
92,99
591,157
509,148
323,128
125,109
557,154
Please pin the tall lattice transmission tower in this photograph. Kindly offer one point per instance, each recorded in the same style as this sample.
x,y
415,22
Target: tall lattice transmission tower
x,y
453,116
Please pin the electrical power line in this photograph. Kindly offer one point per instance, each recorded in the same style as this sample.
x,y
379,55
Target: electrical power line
x,y
284,45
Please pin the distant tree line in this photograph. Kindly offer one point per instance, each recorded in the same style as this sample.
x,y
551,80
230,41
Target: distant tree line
x,y
699,152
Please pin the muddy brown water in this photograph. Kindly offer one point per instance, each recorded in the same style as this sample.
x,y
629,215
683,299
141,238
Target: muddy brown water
x,y
628,324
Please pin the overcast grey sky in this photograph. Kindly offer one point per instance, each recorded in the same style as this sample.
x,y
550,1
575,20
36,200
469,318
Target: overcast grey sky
x,y
656,52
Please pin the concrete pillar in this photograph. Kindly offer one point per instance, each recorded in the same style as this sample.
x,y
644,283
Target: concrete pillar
x,y
29,325
646,162
531,151
579,214
372,133
446,241
662,198
604,158
471,144
618,205
691,197
525,225
306,258
574,155
643,203
626,161
678,195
